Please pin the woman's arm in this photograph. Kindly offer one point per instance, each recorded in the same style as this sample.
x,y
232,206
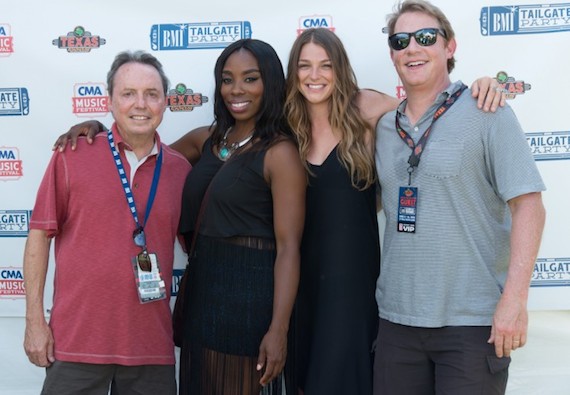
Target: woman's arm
x,y
489,94
87,128
374,104
287,177
190,145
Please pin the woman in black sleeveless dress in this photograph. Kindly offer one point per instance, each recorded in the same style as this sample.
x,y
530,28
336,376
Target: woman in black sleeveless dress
x,y
337,312
244,200
336,315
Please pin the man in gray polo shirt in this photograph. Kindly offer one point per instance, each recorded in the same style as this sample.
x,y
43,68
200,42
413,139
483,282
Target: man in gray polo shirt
x,y
461,194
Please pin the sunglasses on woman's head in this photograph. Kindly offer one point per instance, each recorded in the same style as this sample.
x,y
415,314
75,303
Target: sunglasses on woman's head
x,y
424,37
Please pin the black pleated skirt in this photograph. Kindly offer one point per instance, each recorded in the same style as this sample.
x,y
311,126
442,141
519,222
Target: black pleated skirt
x,y
230,306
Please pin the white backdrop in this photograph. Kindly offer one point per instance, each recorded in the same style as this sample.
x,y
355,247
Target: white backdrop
x,y
54,57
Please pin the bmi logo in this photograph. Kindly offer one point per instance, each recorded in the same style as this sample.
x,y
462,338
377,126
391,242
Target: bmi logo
x,y
551,272
525,19
168,37
12,282
549,145
14,101
6,40
510,86
14,223
311,21
10,164
79,40
182,98
90,99
176,278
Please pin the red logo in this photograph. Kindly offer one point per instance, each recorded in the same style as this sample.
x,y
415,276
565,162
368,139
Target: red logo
x,y
79,40
510,86
182,98
6,41
12,282
90,99
10,164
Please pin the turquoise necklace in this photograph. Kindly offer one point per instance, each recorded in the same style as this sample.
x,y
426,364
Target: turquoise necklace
x,y
226,150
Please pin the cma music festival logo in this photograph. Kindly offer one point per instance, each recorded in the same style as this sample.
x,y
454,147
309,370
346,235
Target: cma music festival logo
x,y
549,145
551,272
6,40
510,86
525,19
10,164
15,223
90,99
182,98
12,282
14,101
308,22
79,40
204,35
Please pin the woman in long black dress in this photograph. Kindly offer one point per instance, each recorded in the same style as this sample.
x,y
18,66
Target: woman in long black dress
x,y
336,315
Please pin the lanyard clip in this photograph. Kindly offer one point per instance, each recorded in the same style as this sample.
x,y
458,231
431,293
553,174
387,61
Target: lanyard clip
x,y
410,171
413,161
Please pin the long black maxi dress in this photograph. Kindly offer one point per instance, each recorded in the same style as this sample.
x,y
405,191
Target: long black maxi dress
x,y
336,312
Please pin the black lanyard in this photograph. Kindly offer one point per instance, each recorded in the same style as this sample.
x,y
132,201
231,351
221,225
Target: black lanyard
x,y
417,149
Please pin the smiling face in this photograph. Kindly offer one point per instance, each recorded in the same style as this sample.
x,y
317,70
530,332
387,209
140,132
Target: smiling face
x,y
422,67
242,86
315,74
137,102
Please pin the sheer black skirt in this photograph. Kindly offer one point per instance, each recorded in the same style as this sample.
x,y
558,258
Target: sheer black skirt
x,y
230,305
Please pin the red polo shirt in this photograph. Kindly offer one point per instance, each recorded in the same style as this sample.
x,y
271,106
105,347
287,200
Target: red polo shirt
x,y
96,315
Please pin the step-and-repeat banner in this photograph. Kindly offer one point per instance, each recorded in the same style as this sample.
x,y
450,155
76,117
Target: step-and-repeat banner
x,y
54,57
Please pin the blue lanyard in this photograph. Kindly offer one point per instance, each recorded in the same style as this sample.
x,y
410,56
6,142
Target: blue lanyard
x,y
126,185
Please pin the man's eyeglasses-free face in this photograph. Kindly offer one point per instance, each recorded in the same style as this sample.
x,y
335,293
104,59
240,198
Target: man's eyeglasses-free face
x,y
424,37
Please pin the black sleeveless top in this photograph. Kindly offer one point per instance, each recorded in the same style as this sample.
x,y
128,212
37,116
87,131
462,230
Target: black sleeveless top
x,y
195,186
239,201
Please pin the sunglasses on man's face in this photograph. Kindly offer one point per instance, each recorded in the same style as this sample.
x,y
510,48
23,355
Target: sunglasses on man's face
x,y
424,37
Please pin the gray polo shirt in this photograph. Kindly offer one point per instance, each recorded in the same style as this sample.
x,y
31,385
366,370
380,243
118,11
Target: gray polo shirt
x,y
451,271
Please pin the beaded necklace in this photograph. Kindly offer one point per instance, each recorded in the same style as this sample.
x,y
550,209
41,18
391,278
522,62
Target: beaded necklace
x,y
226,150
